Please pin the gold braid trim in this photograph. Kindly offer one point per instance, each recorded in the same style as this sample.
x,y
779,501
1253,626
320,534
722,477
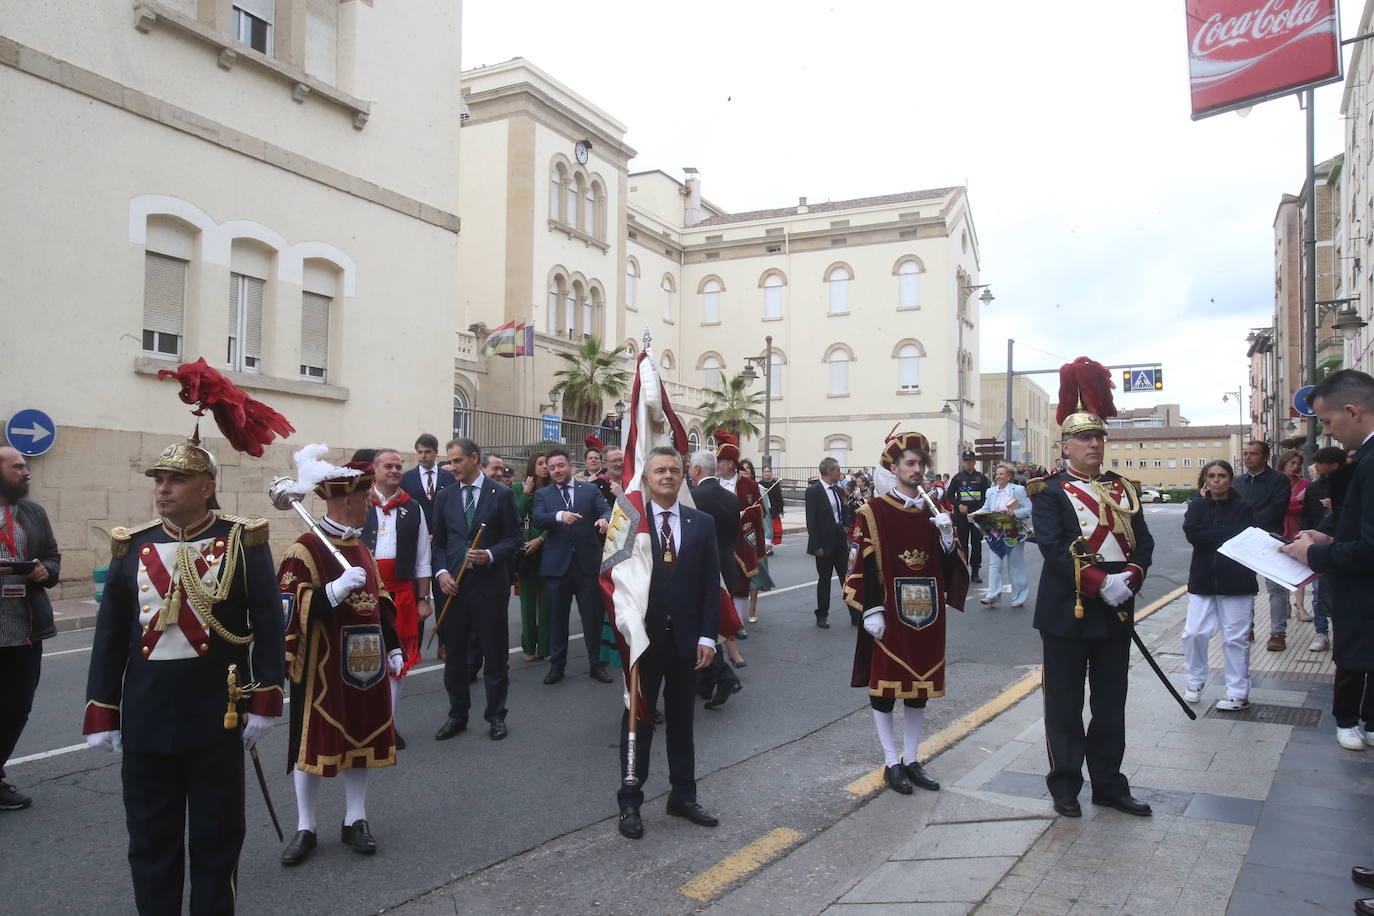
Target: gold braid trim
x,y
201,598
1110,514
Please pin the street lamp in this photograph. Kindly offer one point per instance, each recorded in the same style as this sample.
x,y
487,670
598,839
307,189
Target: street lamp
x,y
986,299
1347,319
1240,411
766,361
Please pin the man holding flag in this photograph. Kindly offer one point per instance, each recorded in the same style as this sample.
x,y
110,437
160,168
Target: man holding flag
x,y
661,579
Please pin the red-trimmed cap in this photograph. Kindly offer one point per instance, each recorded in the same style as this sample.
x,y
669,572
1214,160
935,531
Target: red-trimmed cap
x,y
900,442
727,445
343,485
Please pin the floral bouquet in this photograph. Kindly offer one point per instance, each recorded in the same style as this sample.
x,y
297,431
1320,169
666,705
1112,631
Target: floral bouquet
x,y
1002,530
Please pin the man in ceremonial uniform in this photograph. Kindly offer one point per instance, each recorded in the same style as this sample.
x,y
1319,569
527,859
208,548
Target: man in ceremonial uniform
x,y
397,533
1096,549
968,490
340,644
751,542
188,595
907,575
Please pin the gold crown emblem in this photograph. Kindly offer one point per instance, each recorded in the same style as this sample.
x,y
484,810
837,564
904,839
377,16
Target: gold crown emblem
x,y
363,601
914,558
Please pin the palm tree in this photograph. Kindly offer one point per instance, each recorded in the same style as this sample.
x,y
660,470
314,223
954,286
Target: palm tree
x,y
588,380
733,407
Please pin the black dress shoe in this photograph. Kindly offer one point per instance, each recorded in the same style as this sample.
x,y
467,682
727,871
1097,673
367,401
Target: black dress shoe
x,y
358,838
692,811
1068,807
452,726
1124,803
821,621
599,673
741,633
896,779
296,851
723,693
631,827
1362,876
1365,907
554,676
499,730
920,778
400,742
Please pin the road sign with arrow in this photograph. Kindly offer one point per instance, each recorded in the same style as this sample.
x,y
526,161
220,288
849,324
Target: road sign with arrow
x,y
31,432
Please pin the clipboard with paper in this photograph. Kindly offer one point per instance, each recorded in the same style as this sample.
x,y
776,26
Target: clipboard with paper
x,y
1258,550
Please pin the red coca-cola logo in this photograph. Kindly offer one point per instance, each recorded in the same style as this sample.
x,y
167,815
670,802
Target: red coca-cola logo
x,y
1243,51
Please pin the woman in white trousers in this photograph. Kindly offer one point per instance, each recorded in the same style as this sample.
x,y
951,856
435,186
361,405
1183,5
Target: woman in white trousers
x,y
1005,496
1221,592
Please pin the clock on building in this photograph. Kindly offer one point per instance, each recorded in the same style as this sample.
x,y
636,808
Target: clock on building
x,y
581,150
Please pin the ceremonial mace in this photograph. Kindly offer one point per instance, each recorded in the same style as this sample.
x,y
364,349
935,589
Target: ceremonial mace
x,y
632,733
936,510
438,621
282,497
231,721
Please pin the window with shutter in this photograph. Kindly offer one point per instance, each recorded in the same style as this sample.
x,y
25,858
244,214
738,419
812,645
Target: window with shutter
x,y
164,303
252,23
315,336
245,322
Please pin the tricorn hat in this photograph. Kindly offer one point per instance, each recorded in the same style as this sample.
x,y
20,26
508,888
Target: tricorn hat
x,y
350,478
899,442
1085,398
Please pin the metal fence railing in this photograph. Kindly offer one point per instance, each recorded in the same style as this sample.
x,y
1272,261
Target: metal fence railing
x,y
513,436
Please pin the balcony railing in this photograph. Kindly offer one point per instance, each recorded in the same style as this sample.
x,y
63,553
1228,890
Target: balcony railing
x,y
516,436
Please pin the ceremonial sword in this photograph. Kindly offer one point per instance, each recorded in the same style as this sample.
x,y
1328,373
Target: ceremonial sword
x,y
231,721
1140,644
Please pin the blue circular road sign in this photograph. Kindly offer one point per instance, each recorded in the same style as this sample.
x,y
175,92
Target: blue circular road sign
x,y
1302,401
31,432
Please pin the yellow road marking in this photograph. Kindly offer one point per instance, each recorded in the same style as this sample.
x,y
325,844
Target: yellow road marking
x,y
738,864
941,740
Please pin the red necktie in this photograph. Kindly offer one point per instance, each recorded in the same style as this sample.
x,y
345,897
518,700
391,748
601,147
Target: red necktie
x,y
429,484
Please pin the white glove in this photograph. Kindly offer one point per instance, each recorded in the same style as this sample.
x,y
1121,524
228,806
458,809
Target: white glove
x,y
255,728
105,741
943,522
875,622
1114,590
396,661
351,580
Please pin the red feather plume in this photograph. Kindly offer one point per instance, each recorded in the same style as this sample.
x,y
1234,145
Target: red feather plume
x,y
247,424
594,442
725,437
1088,381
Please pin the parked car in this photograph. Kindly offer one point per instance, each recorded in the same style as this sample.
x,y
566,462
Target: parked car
x,y
1151,495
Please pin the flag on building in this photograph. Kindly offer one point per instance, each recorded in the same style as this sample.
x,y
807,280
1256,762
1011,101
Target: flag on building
x,y
510,340
627,562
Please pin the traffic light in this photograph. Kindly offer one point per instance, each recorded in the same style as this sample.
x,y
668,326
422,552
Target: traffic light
x,y
1159,378
1125,379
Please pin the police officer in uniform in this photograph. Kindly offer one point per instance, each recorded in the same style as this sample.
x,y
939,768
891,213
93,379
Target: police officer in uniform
x,y
968,490
1097,549
189,594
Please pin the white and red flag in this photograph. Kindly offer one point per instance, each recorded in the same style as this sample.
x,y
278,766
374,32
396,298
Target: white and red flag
x,y
627,563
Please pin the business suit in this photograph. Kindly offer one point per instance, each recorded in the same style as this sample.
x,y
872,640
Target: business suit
x,y
480,605
723,507
684,608
824,533
413,483
571,564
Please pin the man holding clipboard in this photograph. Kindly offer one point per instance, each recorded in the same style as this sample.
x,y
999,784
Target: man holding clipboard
x,y
1344,405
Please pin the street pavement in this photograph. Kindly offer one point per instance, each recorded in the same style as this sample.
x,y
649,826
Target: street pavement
x,y
527,825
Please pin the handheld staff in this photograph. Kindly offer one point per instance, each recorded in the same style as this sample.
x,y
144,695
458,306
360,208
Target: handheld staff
x,y
282,499
632,732
439,621
936,510
231,721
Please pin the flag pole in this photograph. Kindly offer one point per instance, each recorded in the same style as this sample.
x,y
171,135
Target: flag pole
x,y
632,731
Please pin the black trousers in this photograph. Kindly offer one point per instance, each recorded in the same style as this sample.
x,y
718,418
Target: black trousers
x,y
163,793
1352,697
481,620
972,540
1105,663
20,667
718,672
590,606
660,665
836,560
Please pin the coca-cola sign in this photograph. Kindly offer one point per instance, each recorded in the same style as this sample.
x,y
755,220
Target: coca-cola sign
x,y
1245,51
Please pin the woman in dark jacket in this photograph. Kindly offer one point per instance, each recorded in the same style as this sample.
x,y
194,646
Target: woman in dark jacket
x,y
1221,592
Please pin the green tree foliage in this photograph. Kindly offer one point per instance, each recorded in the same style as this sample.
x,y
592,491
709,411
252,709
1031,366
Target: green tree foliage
x,y
733,407
589,379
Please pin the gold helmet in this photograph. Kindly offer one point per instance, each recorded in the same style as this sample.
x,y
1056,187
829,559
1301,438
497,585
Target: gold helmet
x,y
187,457
1085,398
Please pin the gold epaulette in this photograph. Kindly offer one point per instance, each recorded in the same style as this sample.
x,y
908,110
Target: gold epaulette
x,y
121,538
254,529
1035,486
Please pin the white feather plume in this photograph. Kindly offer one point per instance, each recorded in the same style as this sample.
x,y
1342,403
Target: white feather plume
x,y
310,470
884,481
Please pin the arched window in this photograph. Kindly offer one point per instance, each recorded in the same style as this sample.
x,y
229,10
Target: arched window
x,y
712,371
838,278
572,194
909,284
576,295
693,440
556,179
558,291
776,360
666,363
837,447
838,359
908,354
710,301
462,420
631,279
592,310
773,285
667,288
598,229
589,210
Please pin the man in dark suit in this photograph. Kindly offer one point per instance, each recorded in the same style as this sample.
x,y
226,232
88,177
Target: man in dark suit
x,y
479,601
718,682
681,621
425,481
575,515
1344,405
827,525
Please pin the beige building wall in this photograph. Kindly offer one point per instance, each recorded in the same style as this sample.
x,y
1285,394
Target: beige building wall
x,y
1032,412
1355,218
148,130
1172,456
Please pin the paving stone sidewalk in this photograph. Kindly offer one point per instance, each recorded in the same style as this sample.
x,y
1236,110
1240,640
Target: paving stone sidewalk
x,y
1258,812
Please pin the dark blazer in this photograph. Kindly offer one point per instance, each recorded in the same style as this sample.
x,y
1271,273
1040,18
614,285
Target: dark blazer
x,y
1056,527
821,530
451,537
723,507
772,490
43,548
1207,525
1348,564
413,484
406,517
570,549
688,590
1267,493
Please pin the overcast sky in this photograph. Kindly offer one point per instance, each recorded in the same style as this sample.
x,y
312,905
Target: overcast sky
x,y
1111,224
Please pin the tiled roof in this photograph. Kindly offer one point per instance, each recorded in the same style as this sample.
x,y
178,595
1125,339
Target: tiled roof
x,y
830,206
